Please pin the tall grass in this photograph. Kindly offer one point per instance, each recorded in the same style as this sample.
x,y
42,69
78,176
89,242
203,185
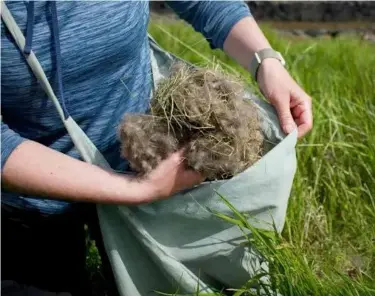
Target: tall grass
x,y
328,243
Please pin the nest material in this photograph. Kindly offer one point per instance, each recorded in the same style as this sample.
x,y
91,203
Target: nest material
x,y
203,111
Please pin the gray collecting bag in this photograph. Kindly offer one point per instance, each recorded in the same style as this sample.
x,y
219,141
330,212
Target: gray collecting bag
x,y
179,245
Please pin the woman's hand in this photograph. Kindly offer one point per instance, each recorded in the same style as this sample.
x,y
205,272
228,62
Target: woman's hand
x,y
171,176
291,102
37,170
293,105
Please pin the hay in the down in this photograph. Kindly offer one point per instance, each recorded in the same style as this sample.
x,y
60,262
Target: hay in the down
x,y
203,111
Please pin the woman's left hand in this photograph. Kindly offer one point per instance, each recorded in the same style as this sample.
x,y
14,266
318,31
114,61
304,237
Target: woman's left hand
x,y
292,104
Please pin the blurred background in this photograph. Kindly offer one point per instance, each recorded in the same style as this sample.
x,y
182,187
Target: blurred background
x,y
307,18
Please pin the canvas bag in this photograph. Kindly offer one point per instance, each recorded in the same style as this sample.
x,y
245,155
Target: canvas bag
x,y
178,244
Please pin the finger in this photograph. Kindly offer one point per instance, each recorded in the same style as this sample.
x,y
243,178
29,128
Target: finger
x,y
303,112
189,178
305,123
297,111
176,158
194,176
285,116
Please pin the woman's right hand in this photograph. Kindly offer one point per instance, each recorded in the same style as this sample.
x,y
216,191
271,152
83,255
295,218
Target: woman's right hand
x,y
170,176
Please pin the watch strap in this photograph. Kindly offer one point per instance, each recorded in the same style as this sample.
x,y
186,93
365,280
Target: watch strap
x,y
262,55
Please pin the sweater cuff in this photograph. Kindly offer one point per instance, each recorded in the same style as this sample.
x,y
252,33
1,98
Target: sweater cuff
x,y
232,16
214,19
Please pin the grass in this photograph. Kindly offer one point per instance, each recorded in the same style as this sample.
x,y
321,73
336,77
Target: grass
x,y
329,237
328,243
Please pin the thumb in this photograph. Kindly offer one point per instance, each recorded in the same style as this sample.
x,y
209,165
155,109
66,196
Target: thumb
x,y
193,177
285,115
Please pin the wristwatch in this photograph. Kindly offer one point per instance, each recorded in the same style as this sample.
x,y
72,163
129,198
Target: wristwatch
x,y
261,55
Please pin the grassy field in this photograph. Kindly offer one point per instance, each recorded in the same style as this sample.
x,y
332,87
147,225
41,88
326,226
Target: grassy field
x,y
328,243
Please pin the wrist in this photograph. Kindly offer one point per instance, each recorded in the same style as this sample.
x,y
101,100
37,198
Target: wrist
x,y
123,189
265,56
267,66
267,71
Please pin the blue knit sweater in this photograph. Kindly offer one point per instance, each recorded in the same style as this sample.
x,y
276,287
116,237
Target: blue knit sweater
x,y
105,71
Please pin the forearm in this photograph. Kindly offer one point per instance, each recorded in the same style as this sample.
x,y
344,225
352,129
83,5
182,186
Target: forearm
x,y
244,39
38,170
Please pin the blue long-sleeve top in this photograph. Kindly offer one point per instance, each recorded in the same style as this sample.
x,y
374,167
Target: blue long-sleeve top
x,y
105,71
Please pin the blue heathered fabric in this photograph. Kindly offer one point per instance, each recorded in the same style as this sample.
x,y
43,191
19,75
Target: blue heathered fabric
x,y
105,71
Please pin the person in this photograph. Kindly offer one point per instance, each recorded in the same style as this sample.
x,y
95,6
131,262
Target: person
x,y
48,192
